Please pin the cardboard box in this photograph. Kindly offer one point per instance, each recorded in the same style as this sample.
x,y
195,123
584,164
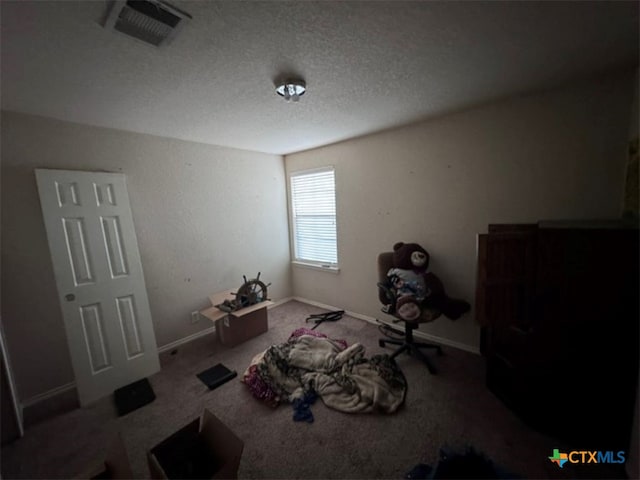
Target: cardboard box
x,y
114,465
205,448
239,326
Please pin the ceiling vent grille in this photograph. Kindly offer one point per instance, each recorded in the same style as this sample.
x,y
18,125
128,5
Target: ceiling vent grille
x,y
152,21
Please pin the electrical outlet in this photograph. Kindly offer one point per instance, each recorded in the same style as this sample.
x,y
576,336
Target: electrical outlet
x,y
195,316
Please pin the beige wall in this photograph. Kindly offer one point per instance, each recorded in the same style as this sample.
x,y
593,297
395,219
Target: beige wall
x,y
554,155
204,216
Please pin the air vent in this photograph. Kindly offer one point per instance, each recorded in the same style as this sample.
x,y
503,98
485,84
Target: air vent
x,y
151,21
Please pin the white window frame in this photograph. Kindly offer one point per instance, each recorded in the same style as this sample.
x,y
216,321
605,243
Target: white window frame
x,y
310,262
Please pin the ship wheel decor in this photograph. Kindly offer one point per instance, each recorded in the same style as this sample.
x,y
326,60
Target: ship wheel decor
x,y
251,292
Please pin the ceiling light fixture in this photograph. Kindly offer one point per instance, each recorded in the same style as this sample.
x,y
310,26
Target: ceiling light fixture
x,y
291,90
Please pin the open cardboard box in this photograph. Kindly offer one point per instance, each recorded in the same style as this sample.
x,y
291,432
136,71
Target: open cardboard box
x,y
205,448
240,325
114,465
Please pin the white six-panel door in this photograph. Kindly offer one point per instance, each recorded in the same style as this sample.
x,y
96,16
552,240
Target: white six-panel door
x,y
99,278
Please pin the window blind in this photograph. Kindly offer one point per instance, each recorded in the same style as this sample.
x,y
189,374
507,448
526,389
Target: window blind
x,y
313,201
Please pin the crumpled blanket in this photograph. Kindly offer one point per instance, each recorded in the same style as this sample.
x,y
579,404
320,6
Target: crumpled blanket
x,y
341,376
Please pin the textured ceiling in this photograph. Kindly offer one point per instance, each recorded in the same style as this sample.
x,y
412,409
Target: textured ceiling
x,y
368,65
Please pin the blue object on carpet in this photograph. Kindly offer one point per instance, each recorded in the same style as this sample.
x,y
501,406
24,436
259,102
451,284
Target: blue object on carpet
x,y
302,407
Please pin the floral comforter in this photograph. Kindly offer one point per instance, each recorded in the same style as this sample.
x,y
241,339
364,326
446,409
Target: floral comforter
x,y
341,376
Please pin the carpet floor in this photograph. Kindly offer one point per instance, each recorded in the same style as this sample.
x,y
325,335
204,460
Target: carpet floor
x,y
452,408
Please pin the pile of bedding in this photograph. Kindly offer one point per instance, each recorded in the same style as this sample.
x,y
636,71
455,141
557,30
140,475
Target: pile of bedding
x,y
310,362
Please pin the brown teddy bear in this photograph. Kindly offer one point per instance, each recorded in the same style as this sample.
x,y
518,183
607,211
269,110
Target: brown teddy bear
x,y
414,288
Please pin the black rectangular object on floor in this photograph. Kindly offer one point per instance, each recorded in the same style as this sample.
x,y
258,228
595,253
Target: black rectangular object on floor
x,y
133,396
215,376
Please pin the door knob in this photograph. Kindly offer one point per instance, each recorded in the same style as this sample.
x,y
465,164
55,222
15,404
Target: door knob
x,y
70,297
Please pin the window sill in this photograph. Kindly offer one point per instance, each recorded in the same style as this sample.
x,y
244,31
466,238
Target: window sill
x,y
313,266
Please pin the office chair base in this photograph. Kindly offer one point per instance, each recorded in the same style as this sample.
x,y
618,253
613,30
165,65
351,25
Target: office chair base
x,y
413,349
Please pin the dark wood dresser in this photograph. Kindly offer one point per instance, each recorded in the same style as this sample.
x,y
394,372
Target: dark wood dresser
x,y
558,303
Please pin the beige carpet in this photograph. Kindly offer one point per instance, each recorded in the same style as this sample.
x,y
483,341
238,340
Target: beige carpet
x,y
452,408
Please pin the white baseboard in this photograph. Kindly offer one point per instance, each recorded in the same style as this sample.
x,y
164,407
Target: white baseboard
x,y
282,301
187,339
48,394
212,329
359,316
375,321
437,339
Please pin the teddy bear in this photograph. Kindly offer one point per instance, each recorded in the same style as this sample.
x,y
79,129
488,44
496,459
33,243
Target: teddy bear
x,y
412,288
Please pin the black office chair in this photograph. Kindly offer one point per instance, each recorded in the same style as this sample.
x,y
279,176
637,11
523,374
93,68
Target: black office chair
x,y
408,344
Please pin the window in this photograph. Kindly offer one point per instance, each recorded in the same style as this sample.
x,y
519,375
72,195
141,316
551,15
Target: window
x,y
313,217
